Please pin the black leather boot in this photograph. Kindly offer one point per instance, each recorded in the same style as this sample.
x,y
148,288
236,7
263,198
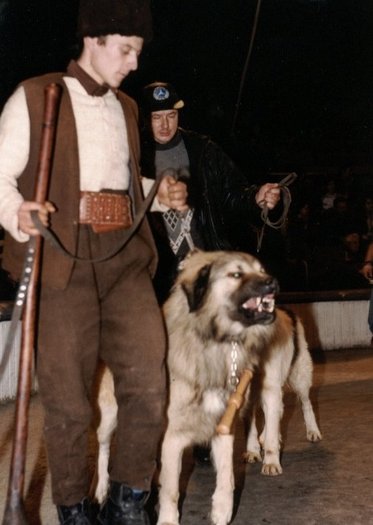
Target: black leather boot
x,y
79,514
124,507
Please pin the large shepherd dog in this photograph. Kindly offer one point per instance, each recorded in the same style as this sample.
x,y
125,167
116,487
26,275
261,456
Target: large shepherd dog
x,y
221,319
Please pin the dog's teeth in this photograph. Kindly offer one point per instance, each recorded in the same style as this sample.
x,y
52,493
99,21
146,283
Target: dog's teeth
x,y
268,304
260,304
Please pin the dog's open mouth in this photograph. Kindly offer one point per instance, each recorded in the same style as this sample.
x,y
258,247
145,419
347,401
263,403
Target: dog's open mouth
x,y
259,309
265,303
254,303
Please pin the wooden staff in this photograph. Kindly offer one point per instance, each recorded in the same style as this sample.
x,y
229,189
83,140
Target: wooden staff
x,y
14,509
234,403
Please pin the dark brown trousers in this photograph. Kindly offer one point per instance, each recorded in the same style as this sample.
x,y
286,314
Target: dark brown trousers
x,y
108,311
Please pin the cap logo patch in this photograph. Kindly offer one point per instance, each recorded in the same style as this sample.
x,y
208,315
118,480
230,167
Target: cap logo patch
x,y
161,93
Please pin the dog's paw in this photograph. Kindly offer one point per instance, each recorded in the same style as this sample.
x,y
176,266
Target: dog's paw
x,y
314,436
222,507
168,518
220,517
251,456
271,469
102,490
167,521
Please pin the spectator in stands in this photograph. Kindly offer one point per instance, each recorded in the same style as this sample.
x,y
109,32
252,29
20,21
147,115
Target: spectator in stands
x,y
330,194
364,217
302,231
336,221
301,237
337,266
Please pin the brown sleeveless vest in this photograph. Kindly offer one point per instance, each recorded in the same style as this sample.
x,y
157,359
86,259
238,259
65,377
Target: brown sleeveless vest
x,y
64,181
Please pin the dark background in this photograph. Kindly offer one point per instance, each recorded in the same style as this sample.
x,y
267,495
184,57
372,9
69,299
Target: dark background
x,y
304,103
306,97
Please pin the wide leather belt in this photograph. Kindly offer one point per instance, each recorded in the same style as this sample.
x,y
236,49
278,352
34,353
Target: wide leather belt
x,y
105,211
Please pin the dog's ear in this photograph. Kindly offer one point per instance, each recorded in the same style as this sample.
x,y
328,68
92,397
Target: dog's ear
x,y
195,291
191,252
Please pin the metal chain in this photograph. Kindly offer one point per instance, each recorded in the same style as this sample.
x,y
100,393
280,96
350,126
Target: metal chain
x,y
186,221
18,303
233,380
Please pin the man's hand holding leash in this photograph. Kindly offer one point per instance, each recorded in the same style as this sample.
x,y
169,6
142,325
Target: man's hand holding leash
x,y
173,193
267,198
25,222
268,195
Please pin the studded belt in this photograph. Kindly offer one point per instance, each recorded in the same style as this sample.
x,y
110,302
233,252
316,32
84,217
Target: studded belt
x,y
105,211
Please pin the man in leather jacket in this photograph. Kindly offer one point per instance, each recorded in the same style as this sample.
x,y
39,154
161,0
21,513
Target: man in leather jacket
x,y
217,190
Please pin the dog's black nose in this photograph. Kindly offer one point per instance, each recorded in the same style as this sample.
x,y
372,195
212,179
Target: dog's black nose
x,y
271,284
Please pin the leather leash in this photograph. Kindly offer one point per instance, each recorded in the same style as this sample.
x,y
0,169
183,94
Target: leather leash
x,y
286,197
54,241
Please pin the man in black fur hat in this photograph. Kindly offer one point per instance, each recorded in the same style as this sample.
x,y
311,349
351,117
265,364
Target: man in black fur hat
x,y
91,310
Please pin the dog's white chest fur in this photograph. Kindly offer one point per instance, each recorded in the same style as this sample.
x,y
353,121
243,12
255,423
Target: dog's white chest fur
x,y
214,401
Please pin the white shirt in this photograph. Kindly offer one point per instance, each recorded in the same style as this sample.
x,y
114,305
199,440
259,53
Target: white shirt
x,y
101,153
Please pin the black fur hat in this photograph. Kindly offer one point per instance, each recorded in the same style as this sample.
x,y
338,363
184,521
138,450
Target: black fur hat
x,y
109,17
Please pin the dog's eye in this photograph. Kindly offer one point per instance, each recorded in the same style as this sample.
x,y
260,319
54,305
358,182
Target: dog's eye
x,y
235,275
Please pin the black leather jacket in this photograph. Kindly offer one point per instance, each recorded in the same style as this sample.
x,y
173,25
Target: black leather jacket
x,y
219,193
217,190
